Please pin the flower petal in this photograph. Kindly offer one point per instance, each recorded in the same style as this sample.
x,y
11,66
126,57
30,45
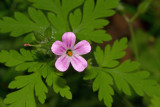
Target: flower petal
x,y
78,63
62,63
82,47
58,48
69,39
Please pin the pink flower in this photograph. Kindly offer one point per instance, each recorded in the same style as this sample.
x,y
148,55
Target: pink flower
x,y
70,53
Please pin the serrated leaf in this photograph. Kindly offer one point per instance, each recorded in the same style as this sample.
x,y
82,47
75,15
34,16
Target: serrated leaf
x,y
102,84
59,12
92,18
24,97
90,76
57,6
83,26
22,24
24,60
111,55
59,84
13,58
124,78
58,24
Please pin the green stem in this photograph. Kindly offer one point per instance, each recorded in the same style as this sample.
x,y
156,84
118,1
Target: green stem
x,y
134,17
36,45
133,40
130,21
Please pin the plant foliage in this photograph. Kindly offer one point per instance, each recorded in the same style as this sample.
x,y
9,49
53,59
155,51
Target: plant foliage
x,y
22,24
32,83
45,22
88,25
125,76
25,96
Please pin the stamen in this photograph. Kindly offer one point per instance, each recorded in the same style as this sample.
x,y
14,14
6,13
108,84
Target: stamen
x,y
69,52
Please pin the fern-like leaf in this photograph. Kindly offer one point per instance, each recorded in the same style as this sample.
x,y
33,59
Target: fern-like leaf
x,y
59,12
22,24
25,96
126,76
88,24
105,91
111,55
59,84
14,58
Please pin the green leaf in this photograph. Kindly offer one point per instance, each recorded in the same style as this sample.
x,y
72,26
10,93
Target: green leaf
x,y
59,12
90,76
2,103
46,4
155,102
142,8
29,38
25,60
13,58
102,84
126,75
40,67
59,84
56,6
22,24
84,24
110,57
34,82
58,24
138,80
24,97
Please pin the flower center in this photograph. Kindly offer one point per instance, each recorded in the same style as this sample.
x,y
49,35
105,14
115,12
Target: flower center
x,y
69,52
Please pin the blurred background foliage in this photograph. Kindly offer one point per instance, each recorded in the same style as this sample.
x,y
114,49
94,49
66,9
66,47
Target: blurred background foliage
x,y
146,27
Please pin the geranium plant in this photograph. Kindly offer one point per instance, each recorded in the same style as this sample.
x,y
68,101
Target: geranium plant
x,y
58,32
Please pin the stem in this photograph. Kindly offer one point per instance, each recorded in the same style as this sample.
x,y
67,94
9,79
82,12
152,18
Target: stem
x,y
36,45
32,45
130,21
133,40
134,17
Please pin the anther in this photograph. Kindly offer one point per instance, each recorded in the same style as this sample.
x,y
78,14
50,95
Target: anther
x,y
69,53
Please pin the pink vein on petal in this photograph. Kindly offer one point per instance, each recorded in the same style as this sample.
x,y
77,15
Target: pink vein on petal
x,y
79,63
62,63
58,48
69,39
82,47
